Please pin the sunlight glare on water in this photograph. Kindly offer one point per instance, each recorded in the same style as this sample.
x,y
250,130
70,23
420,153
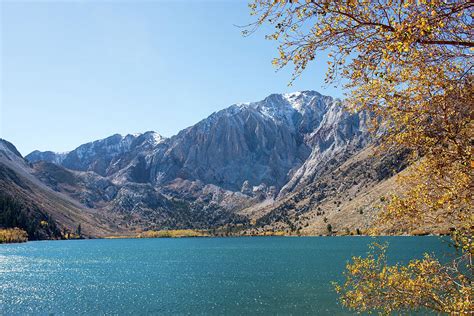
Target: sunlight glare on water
x,y
254,275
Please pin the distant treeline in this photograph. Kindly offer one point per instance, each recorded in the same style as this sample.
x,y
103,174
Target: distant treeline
x,y
37,224
173,233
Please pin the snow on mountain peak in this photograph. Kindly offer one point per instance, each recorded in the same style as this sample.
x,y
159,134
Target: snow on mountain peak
x,y
243,104
282,107
293,95
299,99
157,138
152,137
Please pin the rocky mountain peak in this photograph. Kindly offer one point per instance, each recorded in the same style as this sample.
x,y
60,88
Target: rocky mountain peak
x,y
99,155
9,149
247,145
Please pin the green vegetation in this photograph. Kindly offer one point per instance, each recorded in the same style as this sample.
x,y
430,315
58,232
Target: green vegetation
x,y
78,230
11,235
37,224
329,228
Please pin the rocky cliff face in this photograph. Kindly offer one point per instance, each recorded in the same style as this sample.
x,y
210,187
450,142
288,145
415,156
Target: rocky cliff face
x,y
100,156
65,198
256,143
339,131
245,155
275,143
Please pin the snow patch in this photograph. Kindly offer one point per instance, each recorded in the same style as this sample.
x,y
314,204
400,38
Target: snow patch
x,y
293,95
157,138
243,104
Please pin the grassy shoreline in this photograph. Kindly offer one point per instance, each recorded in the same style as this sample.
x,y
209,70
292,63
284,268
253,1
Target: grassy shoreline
x,y
187,233
16,235
167,233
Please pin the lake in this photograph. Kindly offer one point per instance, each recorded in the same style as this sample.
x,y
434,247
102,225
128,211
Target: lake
x,y
247,275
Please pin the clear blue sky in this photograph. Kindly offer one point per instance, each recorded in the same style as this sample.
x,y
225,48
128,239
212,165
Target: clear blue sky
x,y
73,72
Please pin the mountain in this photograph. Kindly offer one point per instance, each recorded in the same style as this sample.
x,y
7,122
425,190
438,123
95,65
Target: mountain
x,y
101,155
246,144
65,198
250,144
29,203
236,167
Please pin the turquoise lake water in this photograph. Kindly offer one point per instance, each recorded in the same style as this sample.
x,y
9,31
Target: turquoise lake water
x,y
188,276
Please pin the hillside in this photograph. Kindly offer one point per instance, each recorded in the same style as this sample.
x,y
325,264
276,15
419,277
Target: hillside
x,y
26,202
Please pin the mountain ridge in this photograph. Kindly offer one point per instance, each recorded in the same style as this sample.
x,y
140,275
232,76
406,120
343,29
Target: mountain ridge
x,y
239,162
265,139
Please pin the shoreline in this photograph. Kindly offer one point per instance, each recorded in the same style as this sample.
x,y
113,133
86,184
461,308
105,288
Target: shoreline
x,y
230,236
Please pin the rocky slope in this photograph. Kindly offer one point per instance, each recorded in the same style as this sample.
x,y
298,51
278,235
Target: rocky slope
x,y
101,156
68,198
34,202
276,142
344,198
235,167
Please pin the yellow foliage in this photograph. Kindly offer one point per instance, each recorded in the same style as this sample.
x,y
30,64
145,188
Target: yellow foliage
x,y
69,235
11,235
270,233
173,233
372,285
384,33
409,64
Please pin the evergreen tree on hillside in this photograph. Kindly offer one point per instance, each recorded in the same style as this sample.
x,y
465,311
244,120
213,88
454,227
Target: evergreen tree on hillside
x,y
30,219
